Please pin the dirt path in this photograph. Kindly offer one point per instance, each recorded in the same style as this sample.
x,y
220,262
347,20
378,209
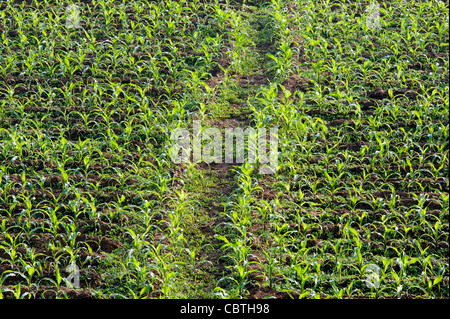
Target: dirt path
x,y
222,175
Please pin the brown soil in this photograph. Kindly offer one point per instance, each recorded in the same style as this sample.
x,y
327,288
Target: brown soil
x,y
51,292
296,83
384,93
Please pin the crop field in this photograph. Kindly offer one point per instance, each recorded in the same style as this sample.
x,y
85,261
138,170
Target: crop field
x,y
93,205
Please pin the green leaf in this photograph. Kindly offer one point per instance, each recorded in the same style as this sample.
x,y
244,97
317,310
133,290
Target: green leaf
x,y
221,237
437,280
353,231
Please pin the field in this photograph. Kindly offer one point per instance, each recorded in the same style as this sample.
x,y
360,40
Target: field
x,y
93,206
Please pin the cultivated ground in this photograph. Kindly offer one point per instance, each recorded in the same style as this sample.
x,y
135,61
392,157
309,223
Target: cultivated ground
x,y
89,96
